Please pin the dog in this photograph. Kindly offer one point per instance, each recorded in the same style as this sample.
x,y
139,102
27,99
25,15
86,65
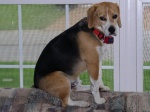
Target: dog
x,y
79,48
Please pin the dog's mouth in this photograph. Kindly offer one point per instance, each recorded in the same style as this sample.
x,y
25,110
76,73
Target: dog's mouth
x,y
112,34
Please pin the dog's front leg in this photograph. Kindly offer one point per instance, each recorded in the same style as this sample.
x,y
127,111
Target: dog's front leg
x,y
93,69
101,84
102,51
95,91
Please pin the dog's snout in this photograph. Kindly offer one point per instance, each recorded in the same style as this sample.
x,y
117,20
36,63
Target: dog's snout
x,y
111,29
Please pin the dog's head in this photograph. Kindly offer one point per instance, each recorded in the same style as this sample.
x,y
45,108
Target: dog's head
x,y
104,16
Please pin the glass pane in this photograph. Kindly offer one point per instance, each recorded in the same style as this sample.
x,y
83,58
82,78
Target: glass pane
x,y
28,77
41,23
146,46
8,34
9,77
9,45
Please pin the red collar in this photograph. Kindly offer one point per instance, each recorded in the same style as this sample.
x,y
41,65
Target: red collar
x,y
101,36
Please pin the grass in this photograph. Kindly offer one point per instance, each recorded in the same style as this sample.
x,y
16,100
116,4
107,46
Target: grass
x,y
107,78
146,63
16,63
33,16
28,78
11,73
146,80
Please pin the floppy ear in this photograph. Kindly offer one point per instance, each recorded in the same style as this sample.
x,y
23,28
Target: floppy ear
x,y
119,19
90,16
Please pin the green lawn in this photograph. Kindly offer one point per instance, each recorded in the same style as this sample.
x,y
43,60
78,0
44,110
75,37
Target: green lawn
x,y
13,74
33,16
107,78
10,77
146,80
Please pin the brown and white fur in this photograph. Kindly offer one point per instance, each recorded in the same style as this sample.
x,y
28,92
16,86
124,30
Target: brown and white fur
x,y
76,50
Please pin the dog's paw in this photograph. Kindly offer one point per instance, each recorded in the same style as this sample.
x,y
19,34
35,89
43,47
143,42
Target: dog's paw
x,y
82,88
100,101
104,88
78,103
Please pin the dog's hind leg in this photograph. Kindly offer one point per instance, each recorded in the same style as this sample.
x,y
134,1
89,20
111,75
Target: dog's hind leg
x,y
58,84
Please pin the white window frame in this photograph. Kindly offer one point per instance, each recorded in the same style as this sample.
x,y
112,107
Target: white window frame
x,y
53,1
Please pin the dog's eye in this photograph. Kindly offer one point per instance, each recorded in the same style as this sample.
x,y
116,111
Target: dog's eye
x,y
114,16
103,18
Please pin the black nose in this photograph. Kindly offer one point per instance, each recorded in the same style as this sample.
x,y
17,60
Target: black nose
x,y
111,29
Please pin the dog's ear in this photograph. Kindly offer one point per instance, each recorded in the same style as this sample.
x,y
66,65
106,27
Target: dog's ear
x,y
119,19
91,16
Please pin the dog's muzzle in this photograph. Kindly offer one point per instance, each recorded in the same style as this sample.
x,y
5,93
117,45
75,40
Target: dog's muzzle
x,y
112,30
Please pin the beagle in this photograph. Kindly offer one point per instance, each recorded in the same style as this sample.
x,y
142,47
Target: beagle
x,y
79,48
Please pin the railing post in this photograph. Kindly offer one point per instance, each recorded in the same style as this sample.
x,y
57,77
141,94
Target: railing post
x,y
67,15
20,45
139,46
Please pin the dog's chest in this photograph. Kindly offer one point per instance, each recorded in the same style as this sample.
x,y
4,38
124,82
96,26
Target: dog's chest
x,y
101,50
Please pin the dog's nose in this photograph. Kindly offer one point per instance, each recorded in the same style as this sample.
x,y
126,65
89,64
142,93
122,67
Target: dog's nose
x,y
111,29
